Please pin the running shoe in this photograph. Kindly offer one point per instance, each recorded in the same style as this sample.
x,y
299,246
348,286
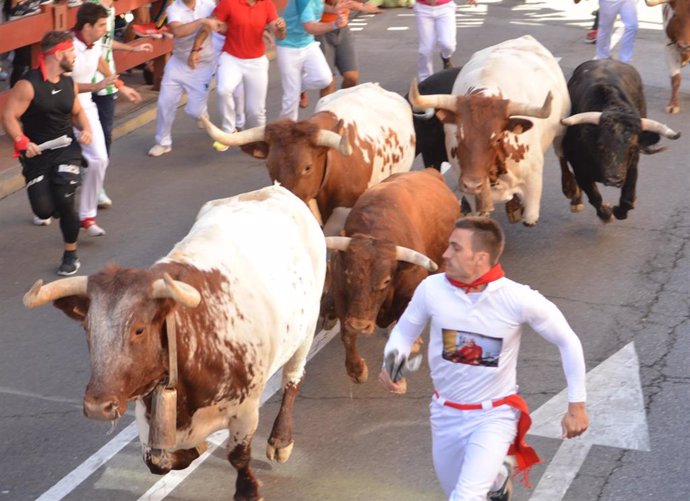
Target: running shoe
x,y
69,265
92,229
104,201
23,9
158,150
41,222
591,36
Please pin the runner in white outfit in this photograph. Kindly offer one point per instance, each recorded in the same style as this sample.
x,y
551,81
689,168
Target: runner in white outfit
x,y
185,17
435,26
473,351
608,10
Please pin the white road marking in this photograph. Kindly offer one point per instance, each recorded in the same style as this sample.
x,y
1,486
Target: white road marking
x,y
168,482
617,419
397,28
11,391
356,29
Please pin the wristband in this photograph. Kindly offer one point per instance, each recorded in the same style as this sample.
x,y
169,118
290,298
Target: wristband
x,y
20,145
198,49
119,84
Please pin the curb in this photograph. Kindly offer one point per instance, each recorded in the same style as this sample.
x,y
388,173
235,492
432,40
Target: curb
x,y
12,180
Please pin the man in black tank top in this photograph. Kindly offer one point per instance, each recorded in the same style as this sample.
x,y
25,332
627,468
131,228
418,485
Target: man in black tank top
x,y
43,107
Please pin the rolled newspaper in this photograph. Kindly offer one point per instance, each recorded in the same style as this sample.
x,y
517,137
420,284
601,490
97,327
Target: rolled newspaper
x,y
399,366
54,144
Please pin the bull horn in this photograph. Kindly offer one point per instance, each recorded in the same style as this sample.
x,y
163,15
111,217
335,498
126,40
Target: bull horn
x,y
437,101
314,209
236,138
588,117
412,256
179,291
339,142
654,3
527,110
39,294
338,243
661,129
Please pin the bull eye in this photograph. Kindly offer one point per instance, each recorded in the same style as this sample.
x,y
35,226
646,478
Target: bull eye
x,y
307,169
385,283
139,331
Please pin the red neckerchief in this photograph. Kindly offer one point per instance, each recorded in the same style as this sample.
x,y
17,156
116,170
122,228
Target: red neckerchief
x,y
67,44
79,37
493,274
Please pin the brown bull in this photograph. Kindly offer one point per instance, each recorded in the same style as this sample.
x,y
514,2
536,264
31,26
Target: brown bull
x,y
677,48
393,238
356,138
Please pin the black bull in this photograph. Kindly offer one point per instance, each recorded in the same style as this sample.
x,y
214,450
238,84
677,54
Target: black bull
x,y
607,130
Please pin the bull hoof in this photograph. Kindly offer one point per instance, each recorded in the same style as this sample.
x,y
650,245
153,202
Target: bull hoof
x,y
604,213
279,454
577,207
159,462
620,213
514,209
530,224
672,108
361,376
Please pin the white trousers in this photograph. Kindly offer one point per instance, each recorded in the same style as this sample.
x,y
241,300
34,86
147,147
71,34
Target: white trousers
x,y
238,95
469,448
435,26
97,157
303,68
178,77
253,75
608,10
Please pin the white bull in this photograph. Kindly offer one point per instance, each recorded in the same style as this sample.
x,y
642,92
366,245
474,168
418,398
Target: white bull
x,y
497,152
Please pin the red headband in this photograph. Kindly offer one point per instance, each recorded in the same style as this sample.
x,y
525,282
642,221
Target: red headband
x,y
66,45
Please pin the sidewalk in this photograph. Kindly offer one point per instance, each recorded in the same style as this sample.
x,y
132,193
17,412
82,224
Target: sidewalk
x,y
128,117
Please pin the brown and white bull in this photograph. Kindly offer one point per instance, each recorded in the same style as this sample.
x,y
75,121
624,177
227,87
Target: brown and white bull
x,y
393,238
502,115
676,15
356,138
235,300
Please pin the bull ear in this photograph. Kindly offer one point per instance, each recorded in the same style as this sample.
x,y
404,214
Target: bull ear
x,y
257,150
648,139
445,116
75,307
519,125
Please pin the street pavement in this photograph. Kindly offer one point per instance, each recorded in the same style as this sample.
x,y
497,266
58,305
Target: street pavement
x,y
621,283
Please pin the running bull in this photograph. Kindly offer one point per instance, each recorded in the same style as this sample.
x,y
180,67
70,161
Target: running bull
x,y
393,238
497,151
356,138
606,134
232,303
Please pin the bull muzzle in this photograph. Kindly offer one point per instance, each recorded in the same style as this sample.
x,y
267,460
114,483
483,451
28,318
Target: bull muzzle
x,y
102,408
471,186
360,326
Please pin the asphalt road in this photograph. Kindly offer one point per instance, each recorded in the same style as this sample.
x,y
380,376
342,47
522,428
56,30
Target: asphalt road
x,y
623,282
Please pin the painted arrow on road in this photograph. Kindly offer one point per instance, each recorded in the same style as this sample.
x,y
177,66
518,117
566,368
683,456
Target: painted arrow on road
x,y
617,419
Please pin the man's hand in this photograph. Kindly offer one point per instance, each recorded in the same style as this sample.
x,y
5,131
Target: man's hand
x,y
280,28
576,421
106,82
214,24
144,47
342,19
398,388
131,94
85,137
32,150
193,59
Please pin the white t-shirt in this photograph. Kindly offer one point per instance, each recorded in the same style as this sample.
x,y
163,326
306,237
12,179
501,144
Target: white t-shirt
x,y
178,12
85,68
474,345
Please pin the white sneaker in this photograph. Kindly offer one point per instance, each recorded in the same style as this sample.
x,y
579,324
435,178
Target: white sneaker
x,y
74,3
92,229
42,222
104,201
158,150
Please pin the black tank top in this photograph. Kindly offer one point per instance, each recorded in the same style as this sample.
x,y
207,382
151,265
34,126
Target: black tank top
x,y
50,116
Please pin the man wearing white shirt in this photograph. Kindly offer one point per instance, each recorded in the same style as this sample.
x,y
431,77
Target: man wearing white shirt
x,y
185,18
477,316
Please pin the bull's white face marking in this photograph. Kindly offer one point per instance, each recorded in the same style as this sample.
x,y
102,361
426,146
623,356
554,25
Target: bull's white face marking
x,y
461,132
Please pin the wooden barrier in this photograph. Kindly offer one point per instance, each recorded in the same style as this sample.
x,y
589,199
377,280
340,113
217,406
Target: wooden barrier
x,y
29,30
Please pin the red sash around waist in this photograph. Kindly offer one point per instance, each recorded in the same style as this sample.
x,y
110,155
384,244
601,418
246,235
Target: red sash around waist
x,y
525,456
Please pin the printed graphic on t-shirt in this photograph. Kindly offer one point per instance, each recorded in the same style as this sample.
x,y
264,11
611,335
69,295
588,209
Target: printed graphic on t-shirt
x,y
462,347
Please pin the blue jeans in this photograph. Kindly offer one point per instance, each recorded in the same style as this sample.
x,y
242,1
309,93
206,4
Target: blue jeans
x,y
106,115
